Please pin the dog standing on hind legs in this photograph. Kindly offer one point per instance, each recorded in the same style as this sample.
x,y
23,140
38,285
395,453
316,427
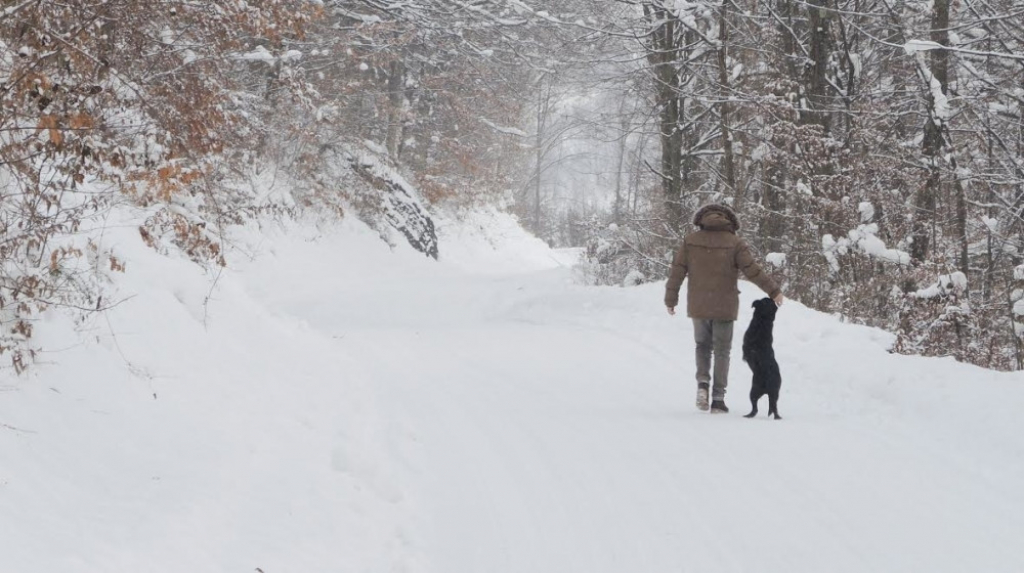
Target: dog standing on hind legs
x,y
760,356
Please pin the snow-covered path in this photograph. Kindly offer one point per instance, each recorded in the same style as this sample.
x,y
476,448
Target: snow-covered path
x,y
545,426
353,410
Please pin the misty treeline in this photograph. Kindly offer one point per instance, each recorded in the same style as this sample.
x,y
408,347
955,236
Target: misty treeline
x,y
874,150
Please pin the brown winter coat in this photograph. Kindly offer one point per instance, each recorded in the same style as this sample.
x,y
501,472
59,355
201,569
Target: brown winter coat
x,y
712,258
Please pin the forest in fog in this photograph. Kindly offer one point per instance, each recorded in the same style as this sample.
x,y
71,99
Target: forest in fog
x,y
873,149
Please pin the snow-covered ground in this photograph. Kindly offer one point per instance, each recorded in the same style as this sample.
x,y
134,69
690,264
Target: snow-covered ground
x,y
340,406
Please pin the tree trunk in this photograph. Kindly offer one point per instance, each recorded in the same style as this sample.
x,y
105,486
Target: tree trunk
x,y
961,228
773,227
818,86
728,164
625,122
542,114
671,158
662,57
925,201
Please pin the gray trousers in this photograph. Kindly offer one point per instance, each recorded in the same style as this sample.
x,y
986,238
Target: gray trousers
x,y
713,335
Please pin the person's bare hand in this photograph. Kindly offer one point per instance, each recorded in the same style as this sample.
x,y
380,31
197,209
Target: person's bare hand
x,y
671,310
779,299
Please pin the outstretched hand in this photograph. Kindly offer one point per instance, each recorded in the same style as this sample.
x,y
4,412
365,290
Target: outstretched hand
x,y
779,299
671,310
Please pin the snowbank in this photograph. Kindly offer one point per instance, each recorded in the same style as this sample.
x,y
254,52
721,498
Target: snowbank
x,y
193,428
487,240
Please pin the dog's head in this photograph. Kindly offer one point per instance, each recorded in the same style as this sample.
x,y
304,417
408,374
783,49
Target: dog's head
x,y
765,308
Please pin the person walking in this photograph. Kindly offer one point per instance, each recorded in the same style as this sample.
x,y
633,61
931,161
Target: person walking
x,y
712,258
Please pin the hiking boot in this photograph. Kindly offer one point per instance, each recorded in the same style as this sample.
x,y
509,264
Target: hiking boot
x,y
702,397
718,407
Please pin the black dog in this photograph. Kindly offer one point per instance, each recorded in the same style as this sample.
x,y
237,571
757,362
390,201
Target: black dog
x,y
759,354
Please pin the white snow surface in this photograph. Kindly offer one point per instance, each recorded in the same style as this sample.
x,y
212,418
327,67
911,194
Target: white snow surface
x,y
777,260
338,405
504,129
1018,273
955,282
864,238
867,211
915,46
